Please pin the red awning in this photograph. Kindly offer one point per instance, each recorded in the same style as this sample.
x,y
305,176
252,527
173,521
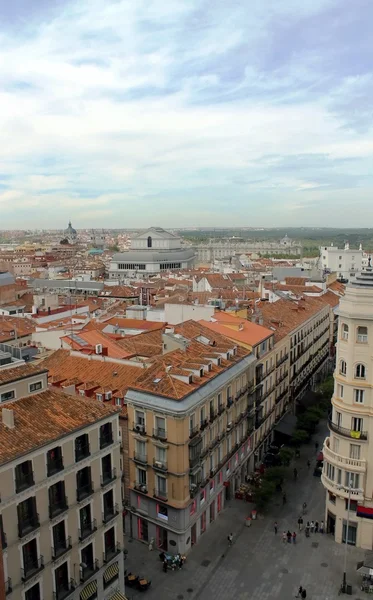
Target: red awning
x,y
364,511
320,457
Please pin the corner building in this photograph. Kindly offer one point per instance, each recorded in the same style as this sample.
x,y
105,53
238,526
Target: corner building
x,y
348,466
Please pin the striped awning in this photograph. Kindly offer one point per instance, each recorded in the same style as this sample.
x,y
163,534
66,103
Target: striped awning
x,y
118,596
89,590
111,572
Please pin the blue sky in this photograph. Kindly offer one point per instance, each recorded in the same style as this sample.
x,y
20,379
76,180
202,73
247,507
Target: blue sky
x,y
186,112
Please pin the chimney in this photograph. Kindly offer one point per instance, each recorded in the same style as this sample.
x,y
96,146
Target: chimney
x,y
8,417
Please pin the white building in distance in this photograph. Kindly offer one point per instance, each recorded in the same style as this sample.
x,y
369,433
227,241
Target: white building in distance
x,y
345,262
152,252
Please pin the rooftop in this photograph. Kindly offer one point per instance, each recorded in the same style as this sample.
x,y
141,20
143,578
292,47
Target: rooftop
x,y
23,371
238,329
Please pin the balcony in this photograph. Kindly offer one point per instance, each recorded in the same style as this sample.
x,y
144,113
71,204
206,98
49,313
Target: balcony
x,y
58,506
282,360
193,432
221,409
204,423
229,401
349,464
108,476
160,494
24,481
28,525
87,530
65,590
106,439
140,458
140,487
31,568
82,452
54,466
281,396
160,465
139,428
63,546
340,490
88,570
348,433
213,415
195,460
282,377
159,434
84,491
110,513
111,552
8,586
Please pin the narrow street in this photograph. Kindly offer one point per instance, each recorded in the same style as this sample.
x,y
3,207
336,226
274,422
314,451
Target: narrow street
x,y
258,565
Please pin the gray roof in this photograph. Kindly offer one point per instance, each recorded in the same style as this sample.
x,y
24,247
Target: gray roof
x,y
166,235
146,256
69,284
6,278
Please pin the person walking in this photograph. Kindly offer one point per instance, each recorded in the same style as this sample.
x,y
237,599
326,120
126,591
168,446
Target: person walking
x,y
299,594
295,474
230,539
304,594
165,565
307,530
284,537
300,523
304,507
316,526
322,527
284,498
294,536
275,527
288,535
312,527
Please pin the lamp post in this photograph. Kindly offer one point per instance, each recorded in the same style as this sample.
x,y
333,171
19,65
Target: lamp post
x,y
344,582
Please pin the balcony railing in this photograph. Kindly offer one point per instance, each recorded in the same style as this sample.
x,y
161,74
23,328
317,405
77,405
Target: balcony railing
x,y
282,360
159,433
203,424
140,458
229,401
108,476
340,490
106,439
28,525
8,586
139,428
87,530
31,568
221,409
54,466
110,513
84,491
82,452
111,551
193,431
65,590
63,546
161,494
140,487
349,464
213,415
159,465
58,506
88,570
349,433
24,481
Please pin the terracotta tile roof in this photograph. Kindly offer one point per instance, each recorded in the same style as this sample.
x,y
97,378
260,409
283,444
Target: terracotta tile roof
x,y
20,372
21,325
45,417
237,329
337,287
120,291
144,344
296,280
295,289
123,323
92,338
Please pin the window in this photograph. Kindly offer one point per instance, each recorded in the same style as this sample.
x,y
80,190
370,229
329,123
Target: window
x,y
353,505
362,335
335,445
359,396
87,524
82,447
62,581
106,435
193,508
149,242
332,498
32,562
191,424
162,512
340,391
203,522
57,499
7,396
34,387
355,451
28,518
84,487
110,509
343,367
360,371
140,451
330,471
33,593
110,548
161,455
352,479
339,418
160,427
108,474
54,461
118,401
344,332
88,564
141,478
161,489
339,476
24,476
212,485
357,424
60,542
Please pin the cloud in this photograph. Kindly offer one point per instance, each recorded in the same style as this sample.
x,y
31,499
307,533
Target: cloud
x,y
136,112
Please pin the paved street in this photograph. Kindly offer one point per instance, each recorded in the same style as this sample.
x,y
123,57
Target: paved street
x,y
258,565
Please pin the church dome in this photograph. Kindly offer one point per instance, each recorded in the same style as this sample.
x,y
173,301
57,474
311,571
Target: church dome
x,y
70,230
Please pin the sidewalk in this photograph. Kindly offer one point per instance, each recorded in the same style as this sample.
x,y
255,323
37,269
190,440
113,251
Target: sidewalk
x,y
258,565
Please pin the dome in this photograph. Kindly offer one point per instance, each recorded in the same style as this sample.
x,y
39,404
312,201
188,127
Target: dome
x,y
70,230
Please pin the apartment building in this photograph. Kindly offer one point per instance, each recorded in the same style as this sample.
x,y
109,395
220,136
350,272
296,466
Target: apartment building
x,y
190,423
60,505
348,474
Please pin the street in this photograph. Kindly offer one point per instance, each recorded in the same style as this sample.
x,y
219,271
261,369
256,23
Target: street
x,y
258,565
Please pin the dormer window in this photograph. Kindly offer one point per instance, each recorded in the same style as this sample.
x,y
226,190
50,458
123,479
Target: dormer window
x,y
108,396
82,392
99,397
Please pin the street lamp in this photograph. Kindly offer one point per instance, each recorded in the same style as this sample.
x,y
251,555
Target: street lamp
x,y
350,488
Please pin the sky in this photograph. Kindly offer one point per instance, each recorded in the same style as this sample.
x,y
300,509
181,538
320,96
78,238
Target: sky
x,y
122,113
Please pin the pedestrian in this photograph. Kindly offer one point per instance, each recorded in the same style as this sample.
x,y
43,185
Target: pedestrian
x,y
284,498
316,526
275,527
299,594
304,507
165,565
230,539
295,473
322,527
288,535
304,594
307,530
294,536
312,527
300,523
284,537
308,463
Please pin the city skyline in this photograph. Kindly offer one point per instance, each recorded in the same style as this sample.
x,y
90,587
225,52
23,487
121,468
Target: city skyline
x,y
185,112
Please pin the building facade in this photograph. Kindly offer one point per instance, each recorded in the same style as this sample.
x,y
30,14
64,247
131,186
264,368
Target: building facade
x,y
152,252
347,472
345,262
218,249
60,496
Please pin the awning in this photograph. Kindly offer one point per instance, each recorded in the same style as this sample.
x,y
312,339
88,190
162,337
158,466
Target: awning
x,y
111,572
118,596
89,591
363,569
364,511
320,457
287,425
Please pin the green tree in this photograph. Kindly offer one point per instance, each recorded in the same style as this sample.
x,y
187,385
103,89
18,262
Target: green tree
x,y
286,455
263,494
275,475
300,436
327,387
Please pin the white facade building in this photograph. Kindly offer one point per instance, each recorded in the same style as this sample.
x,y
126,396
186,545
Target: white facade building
x,y
348,463
345,262
152,252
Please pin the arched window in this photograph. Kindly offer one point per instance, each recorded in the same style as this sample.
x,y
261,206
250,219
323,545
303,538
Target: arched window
x,y
344,332
149,241
360,371
343,367
362,335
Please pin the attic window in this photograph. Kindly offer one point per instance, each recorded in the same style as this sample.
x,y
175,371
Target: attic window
x,y
98,396
190,379
219,361
108,396
201,373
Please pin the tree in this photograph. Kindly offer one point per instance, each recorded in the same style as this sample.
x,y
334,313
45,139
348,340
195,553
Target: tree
x,y
263,494
286,455
300,436
327,388
275,475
